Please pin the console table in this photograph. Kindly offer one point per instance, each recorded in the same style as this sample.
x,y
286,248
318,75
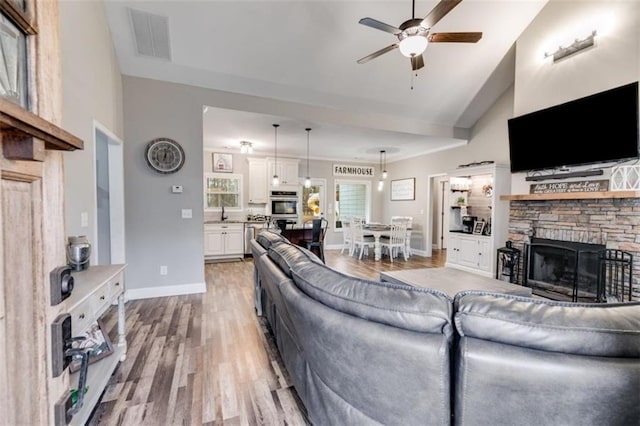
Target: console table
x,y
95,289
452,281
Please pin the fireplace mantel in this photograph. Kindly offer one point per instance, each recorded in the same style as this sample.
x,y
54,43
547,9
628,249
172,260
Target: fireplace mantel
x,y
571,196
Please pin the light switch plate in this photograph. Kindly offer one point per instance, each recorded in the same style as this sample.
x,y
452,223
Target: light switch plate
x,y
187,213
176,189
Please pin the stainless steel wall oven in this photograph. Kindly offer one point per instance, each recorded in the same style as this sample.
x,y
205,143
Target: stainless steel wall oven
x,y
284,204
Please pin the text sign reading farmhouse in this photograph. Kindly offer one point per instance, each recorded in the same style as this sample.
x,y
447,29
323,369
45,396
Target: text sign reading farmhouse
x,y
359,171
564,187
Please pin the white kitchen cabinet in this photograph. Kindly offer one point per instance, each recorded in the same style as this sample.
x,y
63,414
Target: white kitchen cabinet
x,y
223,240
258,187
482,187
286,169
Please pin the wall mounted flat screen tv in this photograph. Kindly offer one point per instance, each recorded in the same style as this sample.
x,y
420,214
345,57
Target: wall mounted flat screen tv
x,y
599,128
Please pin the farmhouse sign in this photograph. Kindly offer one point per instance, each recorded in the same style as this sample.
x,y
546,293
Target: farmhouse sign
x,y
353,171
567,187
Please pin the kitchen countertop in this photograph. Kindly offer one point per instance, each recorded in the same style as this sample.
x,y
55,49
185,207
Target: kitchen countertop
x,y
236,221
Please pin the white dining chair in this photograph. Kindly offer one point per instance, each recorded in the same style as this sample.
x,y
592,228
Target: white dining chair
x,y
396,240
409,222
347,238
360,241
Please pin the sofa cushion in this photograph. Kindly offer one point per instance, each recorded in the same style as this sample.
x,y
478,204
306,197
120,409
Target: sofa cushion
x,y
596,329
266,238
285,255
398,305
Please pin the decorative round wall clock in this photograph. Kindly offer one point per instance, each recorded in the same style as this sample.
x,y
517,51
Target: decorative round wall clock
x,y
164,155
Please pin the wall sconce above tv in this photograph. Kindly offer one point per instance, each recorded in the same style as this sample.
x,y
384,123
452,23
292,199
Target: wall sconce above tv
x,y
600,128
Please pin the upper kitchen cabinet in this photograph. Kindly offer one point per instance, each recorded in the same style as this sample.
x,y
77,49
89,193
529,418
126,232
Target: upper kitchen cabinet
x,y
222,189
286,169
258,187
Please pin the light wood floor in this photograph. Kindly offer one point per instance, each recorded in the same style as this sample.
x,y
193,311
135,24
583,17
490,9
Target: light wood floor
x,y
207,358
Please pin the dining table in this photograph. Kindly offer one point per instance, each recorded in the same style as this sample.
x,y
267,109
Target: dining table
x,y
378,230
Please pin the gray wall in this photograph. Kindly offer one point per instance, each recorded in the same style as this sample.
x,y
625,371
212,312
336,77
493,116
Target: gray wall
x,y
92,92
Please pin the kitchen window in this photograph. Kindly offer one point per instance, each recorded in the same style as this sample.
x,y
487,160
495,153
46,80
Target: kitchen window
x,y
222,189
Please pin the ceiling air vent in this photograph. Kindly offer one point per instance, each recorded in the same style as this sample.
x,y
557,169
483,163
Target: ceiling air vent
x,y
151,34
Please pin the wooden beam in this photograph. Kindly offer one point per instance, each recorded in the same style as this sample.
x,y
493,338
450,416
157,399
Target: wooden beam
x,y
22,124
17,146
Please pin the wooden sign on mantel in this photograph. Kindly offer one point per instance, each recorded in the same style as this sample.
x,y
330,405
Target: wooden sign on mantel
x,y
566,187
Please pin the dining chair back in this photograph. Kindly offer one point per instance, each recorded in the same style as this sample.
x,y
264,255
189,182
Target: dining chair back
x,y
396,240
347,238
409,221
318,231
360,240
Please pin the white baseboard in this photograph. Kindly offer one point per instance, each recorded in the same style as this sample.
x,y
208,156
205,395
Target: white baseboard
x,y
165,291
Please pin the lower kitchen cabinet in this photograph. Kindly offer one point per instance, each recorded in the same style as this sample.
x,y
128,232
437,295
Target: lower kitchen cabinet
x,y
223,240
469,252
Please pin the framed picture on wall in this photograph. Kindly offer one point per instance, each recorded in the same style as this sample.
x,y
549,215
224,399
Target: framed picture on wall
x,y
222,163
478,227
403,189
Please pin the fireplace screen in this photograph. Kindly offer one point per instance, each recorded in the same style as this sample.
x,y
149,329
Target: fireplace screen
x,y
563,270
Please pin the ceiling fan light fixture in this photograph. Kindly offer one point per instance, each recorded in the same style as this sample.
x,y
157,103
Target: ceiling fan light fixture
x,y
413,45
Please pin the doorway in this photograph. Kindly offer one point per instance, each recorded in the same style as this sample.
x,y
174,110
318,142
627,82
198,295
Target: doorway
x,y
109,234
438,218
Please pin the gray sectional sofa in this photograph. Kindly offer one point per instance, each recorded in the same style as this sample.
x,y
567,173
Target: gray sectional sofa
x,y
365,352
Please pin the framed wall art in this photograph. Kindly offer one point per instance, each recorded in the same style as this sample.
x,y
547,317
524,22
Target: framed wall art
x,y
222,163
478,227
403,189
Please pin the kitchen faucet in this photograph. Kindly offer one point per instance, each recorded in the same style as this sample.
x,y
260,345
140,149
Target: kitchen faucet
x,y
222,216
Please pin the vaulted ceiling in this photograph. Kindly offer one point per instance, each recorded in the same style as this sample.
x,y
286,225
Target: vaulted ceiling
x,y
305,52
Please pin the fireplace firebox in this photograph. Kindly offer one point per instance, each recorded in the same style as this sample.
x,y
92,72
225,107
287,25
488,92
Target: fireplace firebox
x,y
562,270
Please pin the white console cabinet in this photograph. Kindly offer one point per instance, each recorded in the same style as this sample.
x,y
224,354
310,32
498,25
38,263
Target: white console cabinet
x,y
223,240
469,251
484,184
95,290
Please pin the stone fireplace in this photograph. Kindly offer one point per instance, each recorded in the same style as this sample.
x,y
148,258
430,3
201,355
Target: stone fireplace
x,y
580,224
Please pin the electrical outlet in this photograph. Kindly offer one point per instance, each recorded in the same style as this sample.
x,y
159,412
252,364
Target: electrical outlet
x,y
187,213
163,270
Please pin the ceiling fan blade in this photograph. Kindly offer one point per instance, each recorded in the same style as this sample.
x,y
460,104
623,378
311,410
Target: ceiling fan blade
x,y
369,22
378,53
417,62
470,37
438,12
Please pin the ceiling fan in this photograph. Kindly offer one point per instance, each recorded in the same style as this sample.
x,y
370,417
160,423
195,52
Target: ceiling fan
x,y
414,34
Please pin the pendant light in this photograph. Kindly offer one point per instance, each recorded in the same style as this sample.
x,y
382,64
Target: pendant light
x,y
275,181
384,164
307,180
381,181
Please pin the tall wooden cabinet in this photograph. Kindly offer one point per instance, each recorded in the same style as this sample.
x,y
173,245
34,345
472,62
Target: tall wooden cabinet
x,y
483,186
33,232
